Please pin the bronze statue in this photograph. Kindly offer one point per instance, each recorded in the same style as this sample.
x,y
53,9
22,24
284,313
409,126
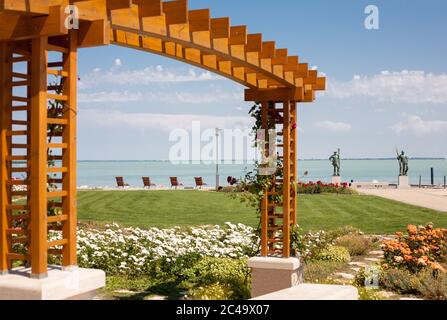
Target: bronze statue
x,y
403,163
335,159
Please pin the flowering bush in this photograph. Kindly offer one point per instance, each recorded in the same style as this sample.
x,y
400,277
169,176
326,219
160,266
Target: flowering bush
x,y
423,247
309,244
320,187
132,251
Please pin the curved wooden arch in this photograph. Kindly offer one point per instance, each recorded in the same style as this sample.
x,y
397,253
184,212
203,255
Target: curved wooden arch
x,y
212,44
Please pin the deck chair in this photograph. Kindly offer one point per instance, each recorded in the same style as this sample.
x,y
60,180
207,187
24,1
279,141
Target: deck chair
x,y
174,182
147,182
199,182
120,182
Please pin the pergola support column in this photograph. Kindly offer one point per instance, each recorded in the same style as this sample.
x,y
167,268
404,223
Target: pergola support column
x,y
5,126
38,174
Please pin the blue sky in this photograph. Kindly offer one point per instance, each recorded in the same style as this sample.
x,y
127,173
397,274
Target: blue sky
x,y
387,88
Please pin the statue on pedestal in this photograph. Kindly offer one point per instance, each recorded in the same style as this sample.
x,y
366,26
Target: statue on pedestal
x,y
403,163
335,159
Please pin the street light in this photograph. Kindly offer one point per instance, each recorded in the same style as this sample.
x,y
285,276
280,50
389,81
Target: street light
x,y
217,158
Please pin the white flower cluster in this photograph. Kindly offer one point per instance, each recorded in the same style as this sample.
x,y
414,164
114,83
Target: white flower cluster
x,y
128,250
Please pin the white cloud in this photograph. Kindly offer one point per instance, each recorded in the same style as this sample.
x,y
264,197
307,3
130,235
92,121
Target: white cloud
x,y
157,121
396,87
145,76
416,125
118,62
165,97
333,126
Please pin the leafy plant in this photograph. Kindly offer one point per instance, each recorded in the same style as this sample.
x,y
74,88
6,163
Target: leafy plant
x,y
357,245
334,253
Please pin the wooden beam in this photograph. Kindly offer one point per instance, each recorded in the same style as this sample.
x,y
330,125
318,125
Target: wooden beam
x,y
5,126
118,4
277,94
38,176
149,8
69,157
29,7
17,27
176,11
93,33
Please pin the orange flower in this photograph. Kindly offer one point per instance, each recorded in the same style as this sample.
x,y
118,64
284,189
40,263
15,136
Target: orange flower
x,y
412,229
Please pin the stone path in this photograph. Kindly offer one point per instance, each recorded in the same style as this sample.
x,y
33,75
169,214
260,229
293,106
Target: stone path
x,y
435,199
346,277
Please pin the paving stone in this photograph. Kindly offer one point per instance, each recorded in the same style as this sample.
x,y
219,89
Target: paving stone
x,y
344,275
155,298
358,264
355,269
376,253
372,259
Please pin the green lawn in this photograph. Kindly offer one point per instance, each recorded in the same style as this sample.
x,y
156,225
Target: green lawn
x,y
181,208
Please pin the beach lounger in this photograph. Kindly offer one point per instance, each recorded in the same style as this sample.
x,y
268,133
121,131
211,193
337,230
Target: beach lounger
x,y
199,182
174,182
147,182
120,182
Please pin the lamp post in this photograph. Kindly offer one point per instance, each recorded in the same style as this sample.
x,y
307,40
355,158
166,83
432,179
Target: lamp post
x,y
217,158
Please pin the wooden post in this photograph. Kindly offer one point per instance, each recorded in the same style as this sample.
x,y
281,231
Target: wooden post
x,y
264,204
5,126
286,180
69,203
294,159
38,176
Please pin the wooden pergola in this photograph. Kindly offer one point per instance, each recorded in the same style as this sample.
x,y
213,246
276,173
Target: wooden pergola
x,y
38,108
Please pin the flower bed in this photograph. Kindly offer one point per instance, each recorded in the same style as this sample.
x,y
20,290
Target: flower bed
x,y
134,250
320,187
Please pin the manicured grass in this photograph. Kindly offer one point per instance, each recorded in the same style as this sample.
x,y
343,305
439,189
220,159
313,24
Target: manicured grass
x,y
182,208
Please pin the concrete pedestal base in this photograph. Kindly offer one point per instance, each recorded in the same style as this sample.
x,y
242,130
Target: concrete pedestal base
x,y
274,274
314,292
336,180
75,283
403,182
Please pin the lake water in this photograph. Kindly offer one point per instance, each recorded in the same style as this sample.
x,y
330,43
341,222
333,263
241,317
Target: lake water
x,y
103,173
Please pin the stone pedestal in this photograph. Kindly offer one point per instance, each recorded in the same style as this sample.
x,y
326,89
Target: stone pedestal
x,y
403,182
274,274
70,284
336,180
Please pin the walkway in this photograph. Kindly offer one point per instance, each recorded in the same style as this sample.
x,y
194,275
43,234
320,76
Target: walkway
x,y
435,199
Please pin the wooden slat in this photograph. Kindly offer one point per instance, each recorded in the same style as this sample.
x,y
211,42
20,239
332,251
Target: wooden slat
x,y
18,256
57,145
57,194
58,218
57,169
55,243
57,121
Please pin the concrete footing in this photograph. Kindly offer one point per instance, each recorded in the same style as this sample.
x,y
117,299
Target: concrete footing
x,y
336,180
73,283
313,292
274,274
403,182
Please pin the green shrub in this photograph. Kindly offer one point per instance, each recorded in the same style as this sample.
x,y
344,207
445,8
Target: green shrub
x,y
433,286
317,271
214,291
309,244
369,294
334,253
357,245
401,281
230,273
344,231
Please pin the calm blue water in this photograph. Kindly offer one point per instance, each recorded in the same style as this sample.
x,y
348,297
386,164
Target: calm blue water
x,y
103,173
